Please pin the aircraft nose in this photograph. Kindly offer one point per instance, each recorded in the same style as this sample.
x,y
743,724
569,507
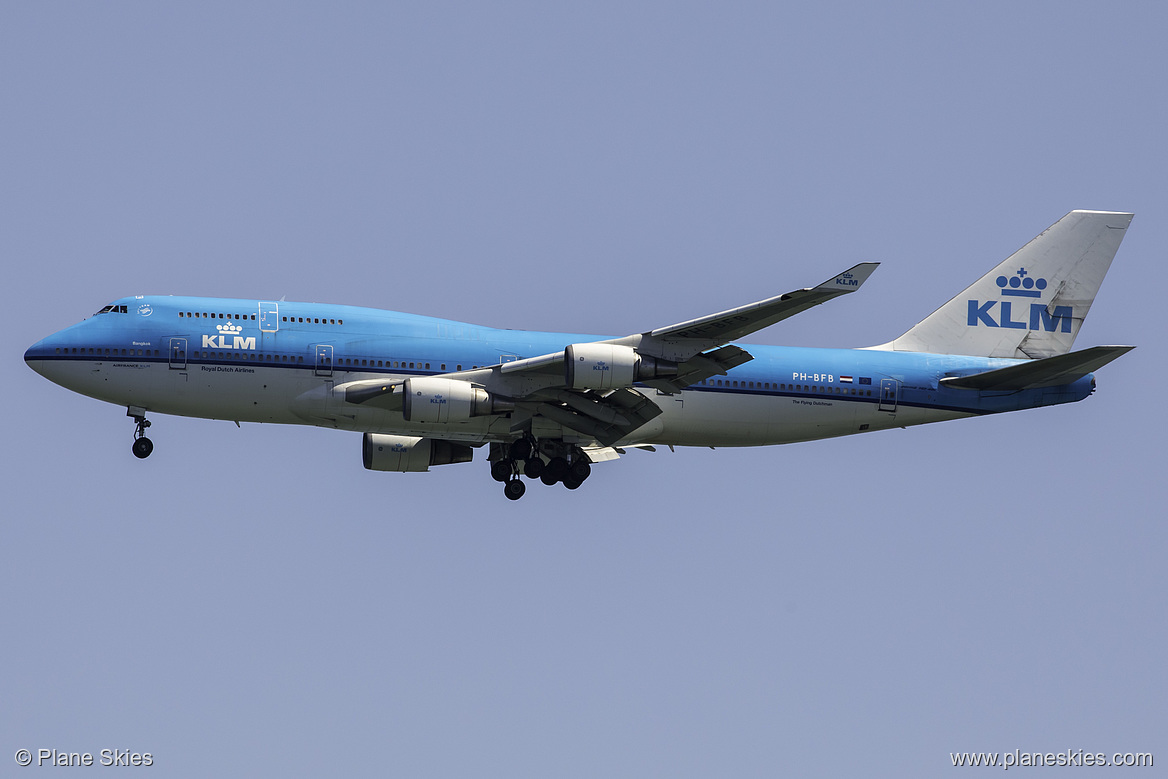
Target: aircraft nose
x,y
35,355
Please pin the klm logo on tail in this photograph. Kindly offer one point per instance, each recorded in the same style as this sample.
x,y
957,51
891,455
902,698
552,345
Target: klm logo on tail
x,y
1001,313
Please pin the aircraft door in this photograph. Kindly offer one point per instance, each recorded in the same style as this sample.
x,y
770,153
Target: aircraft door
x,y
324,360
178,354
269,317
889,389
269,323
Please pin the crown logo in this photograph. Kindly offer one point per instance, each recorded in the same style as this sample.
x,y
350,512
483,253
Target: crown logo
x,y
1021,285
229,329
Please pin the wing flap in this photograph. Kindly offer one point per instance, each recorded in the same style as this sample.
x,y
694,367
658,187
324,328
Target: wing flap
x,y
606,417
701,367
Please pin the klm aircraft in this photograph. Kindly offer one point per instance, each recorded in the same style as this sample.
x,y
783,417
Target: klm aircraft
x,y
426,392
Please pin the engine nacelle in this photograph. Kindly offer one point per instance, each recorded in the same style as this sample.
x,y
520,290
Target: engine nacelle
x,y
609,366
434,399
406,454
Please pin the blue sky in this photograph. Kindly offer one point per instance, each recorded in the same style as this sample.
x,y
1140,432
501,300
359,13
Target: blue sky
x,y
251,601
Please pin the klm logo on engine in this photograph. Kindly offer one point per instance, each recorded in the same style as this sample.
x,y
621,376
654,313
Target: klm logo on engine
x,y
438,398
229,331
600,365
1002,313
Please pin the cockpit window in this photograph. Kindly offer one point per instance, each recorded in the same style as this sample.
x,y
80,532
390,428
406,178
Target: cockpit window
x,y
114,310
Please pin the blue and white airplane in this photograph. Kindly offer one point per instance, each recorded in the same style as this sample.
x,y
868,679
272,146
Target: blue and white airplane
x,y
427,391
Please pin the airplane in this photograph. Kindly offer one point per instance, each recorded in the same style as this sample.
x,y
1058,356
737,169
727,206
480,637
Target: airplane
x,y
426,392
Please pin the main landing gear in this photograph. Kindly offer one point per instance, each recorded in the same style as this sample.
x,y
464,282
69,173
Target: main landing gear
x,y
143,446
566,464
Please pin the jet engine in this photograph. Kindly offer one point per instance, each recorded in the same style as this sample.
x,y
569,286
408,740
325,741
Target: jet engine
x,y
407,454
434,399
609,366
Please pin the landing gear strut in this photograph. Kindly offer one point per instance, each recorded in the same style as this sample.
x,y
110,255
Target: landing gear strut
x,y
143,446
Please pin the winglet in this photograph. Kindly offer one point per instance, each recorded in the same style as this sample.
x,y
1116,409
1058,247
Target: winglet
x,y
851,279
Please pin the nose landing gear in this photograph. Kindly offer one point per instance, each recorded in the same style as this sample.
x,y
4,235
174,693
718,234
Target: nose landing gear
x,y
143,446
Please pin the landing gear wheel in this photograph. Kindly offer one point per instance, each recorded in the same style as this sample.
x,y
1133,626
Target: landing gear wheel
x,y
557,468
579,471
514,489
501,470
533,468
572,483
143,447
547,478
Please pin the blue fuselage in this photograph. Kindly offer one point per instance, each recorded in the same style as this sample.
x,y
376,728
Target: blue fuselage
x,y
259,361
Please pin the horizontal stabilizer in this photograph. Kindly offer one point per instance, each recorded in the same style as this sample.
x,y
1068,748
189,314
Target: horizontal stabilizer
x,y
1047,372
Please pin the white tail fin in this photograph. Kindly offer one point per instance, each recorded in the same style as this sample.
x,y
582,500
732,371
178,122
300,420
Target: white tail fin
x,y
1033,304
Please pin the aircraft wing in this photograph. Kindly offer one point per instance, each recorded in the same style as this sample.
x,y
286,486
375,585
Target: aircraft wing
x,y
689,343
694,350
681,341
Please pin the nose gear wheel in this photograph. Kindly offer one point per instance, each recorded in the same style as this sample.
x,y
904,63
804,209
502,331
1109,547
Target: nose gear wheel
x,y
143,446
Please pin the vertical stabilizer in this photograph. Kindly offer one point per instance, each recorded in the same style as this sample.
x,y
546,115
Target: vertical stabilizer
x,y
1032,304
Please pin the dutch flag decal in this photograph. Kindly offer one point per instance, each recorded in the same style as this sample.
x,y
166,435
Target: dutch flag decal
x,y
846,379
